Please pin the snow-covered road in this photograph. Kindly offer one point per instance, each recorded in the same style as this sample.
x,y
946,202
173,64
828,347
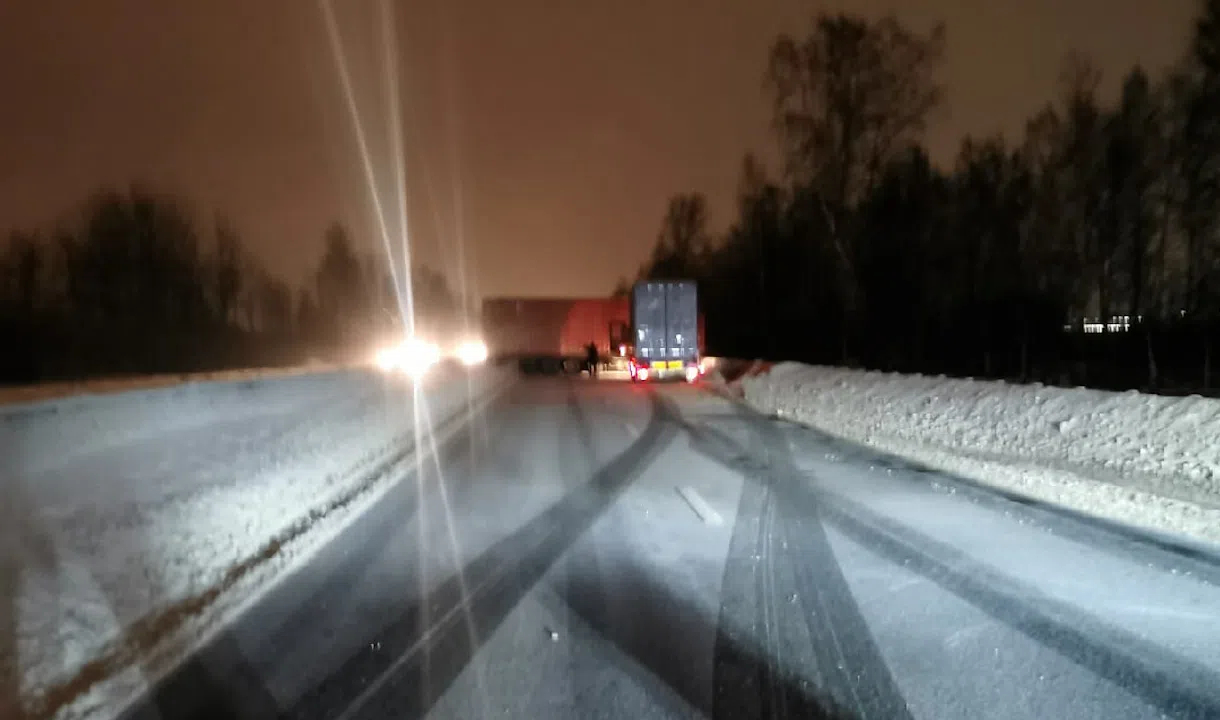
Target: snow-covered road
x,y
553,564
974,604
133,523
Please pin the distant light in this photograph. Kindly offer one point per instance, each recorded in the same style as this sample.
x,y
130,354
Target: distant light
x,y
622,349
472,353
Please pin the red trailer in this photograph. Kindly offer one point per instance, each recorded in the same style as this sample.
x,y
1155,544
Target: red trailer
x,y
604,321
555,327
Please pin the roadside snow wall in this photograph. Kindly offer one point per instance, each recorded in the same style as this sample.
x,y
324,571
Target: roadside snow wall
x,y
1146,460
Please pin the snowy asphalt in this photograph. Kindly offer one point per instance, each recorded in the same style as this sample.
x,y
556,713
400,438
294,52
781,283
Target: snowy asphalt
x,y
608,550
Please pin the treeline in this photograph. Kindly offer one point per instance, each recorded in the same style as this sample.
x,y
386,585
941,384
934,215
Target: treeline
x,y
139,286
865,253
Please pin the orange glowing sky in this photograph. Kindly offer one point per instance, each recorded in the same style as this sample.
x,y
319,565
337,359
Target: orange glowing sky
x,y
563,125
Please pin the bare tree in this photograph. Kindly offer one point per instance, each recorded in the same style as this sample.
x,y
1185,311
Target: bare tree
x,y
437,307
847,98
226,271
683,243
1131,148
340,289
1081,153
23,265
275,305
1199,173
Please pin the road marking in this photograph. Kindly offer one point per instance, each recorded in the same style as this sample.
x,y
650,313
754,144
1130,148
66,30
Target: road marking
x,y
705,512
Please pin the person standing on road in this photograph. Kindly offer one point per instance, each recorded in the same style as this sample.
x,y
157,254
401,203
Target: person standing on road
x,y
591,359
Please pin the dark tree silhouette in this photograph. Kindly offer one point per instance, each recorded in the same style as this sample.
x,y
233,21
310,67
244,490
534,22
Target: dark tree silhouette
x,y
437,308
342,300
226,271
130,290
23,299
866,253
137,284
847,98
860,251
683,244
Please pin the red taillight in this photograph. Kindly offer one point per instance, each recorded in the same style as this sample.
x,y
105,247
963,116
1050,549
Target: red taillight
x,y
642,373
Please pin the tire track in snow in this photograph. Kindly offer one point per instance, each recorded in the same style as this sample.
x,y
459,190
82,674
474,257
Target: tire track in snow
x,y
412,666
217,681
853,671
1179,687
781,572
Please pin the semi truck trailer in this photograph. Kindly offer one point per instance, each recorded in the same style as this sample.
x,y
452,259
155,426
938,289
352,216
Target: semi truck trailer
x,y
666,331
550,335
656,332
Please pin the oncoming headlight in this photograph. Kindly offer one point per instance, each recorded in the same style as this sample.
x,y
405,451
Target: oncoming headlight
x,y
389,359
418,356
472,353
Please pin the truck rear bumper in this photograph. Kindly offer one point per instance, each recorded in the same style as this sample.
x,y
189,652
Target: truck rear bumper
x,y
687,371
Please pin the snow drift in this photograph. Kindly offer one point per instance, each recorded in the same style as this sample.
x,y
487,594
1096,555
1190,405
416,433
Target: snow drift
x,y
1148,460
134,517
23,394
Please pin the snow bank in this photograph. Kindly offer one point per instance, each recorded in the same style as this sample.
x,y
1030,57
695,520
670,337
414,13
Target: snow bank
x,y
23,394
129,517
727,373
1149,460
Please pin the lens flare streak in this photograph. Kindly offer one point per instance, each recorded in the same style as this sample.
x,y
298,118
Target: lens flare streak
x,y
402,286
389,41
424,431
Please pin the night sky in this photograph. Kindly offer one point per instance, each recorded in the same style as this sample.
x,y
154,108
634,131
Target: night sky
x,y
564,125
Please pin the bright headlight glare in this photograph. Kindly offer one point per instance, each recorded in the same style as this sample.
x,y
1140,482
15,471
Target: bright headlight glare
x,y
472,353
388,358
418,356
